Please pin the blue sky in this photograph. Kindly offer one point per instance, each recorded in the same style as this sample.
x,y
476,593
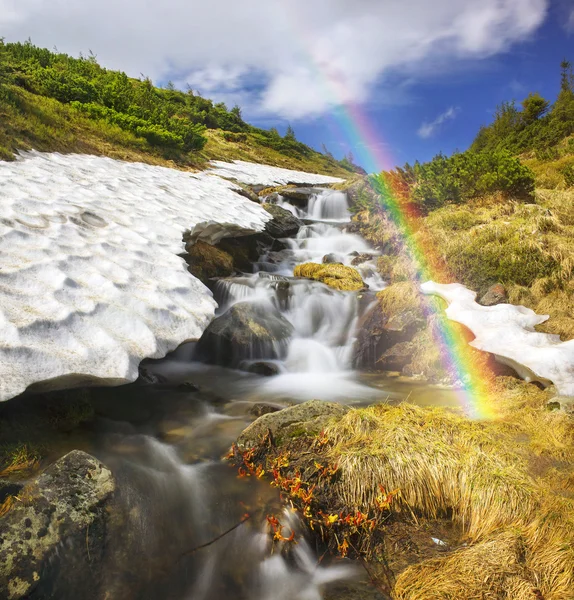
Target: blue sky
x,y
470,93
427,74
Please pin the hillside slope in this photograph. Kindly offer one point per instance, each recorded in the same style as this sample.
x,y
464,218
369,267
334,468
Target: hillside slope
x,y
53,102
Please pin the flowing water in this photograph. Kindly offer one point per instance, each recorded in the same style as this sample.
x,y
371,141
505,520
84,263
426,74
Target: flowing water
x,y
182,509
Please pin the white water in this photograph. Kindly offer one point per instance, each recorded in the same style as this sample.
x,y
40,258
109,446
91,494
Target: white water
x,y
319,356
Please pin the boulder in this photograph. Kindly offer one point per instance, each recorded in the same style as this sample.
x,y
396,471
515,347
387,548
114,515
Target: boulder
x,y
395,319
299,196
330,259
52,540
283,224
496,294
246,331
261,367
308,418
397,357
262,408
245,250
205,261
335,275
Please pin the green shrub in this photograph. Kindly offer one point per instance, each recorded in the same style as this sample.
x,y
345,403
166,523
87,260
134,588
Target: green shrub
x,y
467,175
568,173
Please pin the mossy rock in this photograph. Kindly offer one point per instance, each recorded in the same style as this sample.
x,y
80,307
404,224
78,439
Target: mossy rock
x,y
307,419
335,275
206,261
52,541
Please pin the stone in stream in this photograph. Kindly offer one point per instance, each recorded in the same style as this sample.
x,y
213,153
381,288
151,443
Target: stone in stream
x,y
299,196
247,331
52,540
261,367
284,224
331,258
360,258
382,329
308,418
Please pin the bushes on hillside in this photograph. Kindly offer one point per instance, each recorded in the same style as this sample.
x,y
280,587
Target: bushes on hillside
x,y
461,177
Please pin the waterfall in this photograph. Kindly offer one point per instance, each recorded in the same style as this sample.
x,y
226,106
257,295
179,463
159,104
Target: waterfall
x,y
319,353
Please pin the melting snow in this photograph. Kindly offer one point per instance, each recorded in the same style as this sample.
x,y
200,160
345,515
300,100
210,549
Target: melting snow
x,y
90,278
254,174
508,332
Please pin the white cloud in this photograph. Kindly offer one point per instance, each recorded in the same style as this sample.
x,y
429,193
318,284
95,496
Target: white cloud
x,y
570,22
306,56
427,130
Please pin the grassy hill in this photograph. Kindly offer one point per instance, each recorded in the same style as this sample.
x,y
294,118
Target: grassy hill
x,y
53,102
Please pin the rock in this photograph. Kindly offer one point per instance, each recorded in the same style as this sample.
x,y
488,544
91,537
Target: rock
x,y
261,408
394,319
335,275
361,258
331,259
496,294
284,224
308,418
267,369
205,261
397,357
245,250
246,331
52,541
188,386
149,378
300,196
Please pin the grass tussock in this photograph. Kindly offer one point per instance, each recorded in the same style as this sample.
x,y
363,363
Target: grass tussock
x,y
442,463
335,275
518,525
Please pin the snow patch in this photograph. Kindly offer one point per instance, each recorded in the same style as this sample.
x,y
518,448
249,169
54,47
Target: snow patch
x,y
254,174
90,278
507,331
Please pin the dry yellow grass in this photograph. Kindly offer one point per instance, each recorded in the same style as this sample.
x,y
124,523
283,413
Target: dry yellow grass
x,y
6,505
517,516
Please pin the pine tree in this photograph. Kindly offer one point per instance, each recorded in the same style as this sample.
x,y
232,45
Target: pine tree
x,y
290,133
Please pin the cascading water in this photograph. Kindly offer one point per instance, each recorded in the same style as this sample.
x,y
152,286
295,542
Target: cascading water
x,y
318,360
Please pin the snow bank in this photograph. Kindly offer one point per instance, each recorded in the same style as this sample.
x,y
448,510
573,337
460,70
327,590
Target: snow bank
x,y
254,174
90,278
507,331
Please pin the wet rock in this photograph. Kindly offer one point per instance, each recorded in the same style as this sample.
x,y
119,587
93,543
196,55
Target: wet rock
x,y
397,357
205,261
266,369
149,378
380,331
261,408
496,294
335,275
308,418
361,258
52,541
284,224
330,259
246,331
245,250
300,196
188,386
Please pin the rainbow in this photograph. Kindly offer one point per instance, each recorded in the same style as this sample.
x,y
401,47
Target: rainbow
x,y
353,124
